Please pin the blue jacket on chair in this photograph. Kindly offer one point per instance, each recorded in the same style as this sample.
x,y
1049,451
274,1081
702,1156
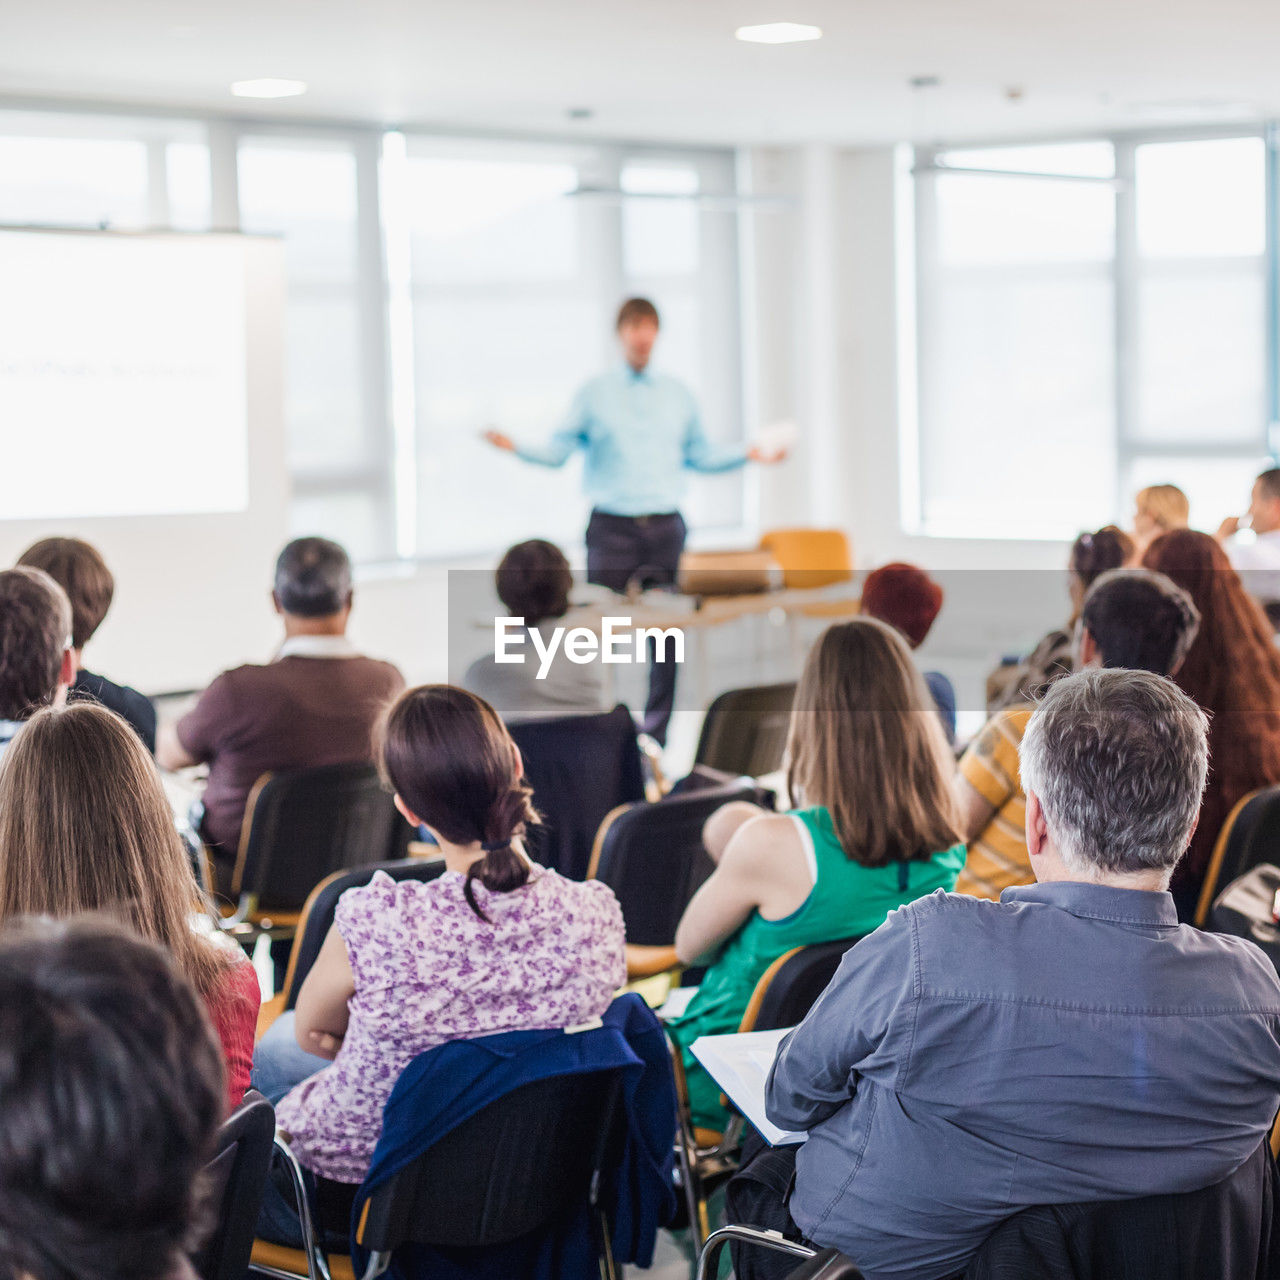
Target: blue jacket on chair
x,y
444,1087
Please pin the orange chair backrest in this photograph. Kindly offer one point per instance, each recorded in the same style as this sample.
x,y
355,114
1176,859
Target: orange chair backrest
x,y
810,557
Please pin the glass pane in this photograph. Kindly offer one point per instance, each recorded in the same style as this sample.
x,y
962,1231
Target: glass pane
x,y
359,521
188,182
1201,353
307,193
1078,159
323,397
989,221
1215,487
488,221
1204,199
74,182
1018,392
462,388
660,226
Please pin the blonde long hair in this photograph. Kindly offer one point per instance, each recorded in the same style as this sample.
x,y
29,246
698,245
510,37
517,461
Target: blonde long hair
x,y
866,744
85,826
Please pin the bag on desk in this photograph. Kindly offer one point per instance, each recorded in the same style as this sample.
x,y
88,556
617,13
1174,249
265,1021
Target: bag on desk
x,y
1245,908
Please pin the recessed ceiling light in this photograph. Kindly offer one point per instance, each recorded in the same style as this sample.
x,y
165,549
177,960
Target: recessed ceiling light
x,y
268,88
779,33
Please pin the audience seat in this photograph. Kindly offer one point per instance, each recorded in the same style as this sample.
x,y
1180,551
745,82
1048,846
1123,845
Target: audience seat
x,y
316,919
580,767
817,1264
1250,835
783,996
1227,1231
516,1166
301,826
651,856
810,557
745,730
234,1181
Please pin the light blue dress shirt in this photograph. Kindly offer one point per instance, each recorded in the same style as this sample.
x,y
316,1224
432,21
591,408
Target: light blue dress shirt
x,y
640,433
1070,1042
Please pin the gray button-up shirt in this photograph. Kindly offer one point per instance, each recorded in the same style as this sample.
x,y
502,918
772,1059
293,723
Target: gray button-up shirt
x,y
971,1058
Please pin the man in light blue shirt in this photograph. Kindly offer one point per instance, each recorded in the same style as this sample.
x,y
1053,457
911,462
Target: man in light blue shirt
x,y
640,432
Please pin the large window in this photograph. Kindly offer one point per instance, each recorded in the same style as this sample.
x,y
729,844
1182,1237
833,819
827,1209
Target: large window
x,y
435,287
1092,319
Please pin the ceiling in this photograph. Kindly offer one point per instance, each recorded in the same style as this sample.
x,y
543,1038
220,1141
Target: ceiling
x,y
668,69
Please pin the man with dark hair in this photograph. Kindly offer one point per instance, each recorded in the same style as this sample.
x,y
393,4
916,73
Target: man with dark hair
x,y
640,431
1129,618
36,662
81,572
1137,619
112,1087
533,582
1258,562
315,704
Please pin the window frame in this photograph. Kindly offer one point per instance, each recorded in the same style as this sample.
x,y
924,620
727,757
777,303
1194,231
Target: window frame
x,y
1130,447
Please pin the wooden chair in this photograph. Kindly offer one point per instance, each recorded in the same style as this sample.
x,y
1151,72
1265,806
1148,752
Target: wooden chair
x,y
745,730
299,827
1249,836
810,557
316,919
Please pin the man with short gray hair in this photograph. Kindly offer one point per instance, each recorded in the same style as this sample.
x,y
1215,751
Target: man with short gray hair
x,y
1071,1042
313,705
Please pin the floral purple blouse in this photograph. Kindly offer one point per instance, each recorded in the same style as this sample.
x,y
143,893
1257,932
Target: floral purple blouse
x,y
427,970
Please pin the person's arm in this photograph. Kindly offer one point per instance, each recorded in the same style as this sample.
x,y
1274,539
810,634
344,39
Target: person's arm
x,y
701,455
815,1071
986,778
556,451
752,869
320,1022
195,738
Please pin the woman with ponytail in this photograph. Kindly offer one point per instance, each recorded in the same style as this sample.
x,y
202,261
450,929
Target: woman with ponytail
x,y
497,943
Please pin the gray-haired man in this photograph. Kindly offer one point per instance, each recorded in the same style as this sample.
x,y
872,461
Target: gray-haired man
x,y
1070,1042
314,704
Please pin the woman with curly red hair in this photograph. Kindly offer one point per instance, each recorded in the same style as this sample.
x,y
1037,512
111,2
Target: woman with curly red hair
x,y
1233,671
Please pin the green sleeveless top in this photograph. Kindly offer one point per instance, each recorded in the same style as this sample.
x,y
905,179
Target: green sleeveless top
x,y
846,901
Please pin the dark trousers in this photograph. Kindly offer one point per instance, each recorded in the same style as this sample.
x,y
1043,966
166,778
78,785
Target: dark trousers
x,y
757,1196
644,550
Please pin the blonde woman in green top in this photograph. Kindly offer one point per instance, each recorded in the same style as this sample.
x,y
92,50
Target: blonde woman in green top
x,y
870,768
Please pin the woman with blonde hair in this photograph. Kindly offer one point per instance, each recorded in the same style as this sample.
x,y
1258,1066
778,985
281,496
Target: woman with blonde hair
x,y
1157,509
85,827
876,828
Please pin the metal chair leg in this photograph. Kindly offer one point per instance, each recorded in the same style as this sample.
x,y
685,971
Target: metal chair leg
x,y
709,1259
317,1263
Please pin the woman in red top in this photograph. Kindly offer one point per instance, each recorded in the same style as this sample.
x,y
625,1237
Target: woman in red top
x,y
84,826
1233,671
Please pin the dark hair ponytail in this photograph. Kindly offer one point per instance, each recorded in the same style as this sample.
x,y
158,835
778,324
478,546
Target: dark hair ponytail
x,y
451,759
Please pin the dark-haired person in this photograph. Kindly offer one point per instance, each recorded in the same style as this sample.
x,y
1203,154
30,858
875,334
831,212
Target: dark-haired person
x,y
81,572
497,943
314,705
533,582
875,828
36,661
908,599
640,432
1092,554
1257,562
1233,672
112,1093
1129,618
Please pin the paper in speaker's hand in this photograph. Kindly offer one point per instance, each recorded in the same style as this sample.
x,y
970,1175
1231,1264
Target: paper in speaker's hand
x,y
775,438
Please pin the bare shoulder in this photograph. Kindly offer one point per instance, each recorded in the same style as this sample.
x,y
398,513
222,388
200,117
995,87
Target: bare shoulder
x,y
765,845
